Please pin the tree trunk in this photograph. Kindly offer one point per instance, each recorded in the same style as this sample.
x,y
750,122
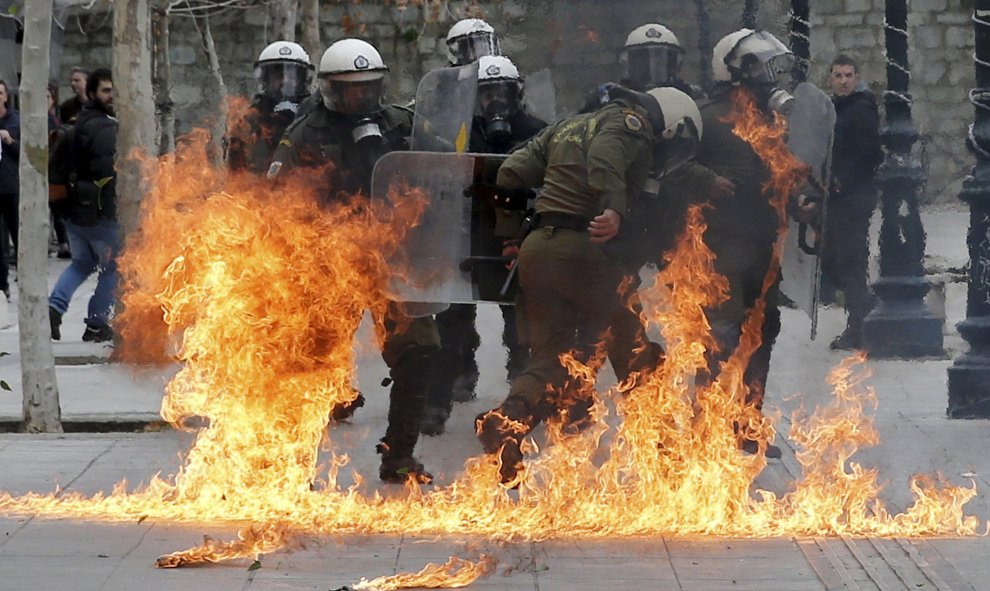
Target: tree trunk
x,y
282,16
219,131
41,406
163,83
135,106
311,29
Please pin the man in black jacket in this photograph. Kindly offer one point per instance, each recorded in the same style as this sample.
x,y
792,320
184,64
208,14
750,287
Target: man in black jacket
x,y
94,234
10,143
856,153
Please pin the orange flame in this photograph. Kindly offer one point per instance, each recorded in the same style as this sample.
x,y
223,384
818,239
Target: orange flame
x,y
454,574
258,292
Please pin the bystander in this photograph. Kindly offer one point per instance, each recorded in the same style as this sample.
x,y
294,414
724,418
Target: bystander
x,y
856,153
94,234
10,137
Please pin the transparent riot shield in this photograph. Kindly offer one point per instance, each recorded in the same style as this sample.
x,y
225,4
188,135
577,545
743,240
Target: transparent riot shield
x,y
540,98
452,256
810,126
445,103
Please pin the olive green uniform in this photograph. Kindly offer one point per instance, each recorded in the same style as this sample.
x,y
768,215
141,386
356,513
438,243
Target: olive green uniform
x,y
585,164
411,343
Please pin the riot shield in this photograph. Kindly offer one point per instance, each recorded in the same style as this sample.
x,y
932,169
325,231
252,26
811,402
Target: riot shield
x,y
540,98
452,256
810,126
445,103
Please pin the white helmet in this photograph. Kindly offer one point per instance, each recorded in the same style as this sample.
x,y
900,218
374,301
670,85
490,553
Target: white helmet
x,y
500,88
470,39
677,141
284,72
497,67
748,55
651,57
352,77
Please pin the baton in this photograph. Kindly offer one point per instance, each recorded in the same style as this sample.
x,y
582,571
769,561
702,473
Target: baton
x,y
469,263
508,280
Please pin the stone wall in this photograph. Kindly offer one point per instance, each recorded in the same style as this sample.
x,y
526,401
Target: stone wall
x,y
578,40
940,54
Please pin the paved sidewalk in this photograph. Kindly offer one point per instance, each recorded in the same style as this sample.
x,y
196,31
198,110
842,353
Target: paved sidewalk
x,y
38,553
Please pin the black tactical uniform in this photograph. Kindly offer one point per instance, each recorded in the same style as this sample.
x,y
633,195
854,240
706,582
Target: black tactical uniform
x,y
253,150
322,136
456,372
742,229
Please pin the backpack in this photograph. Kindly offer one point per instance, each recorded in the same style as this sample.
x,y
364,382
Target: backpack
x,y
61,166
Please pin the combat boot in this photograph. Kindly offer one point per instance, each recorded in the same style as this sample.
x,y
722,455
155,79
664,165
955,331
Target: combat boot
x,y
407,399
501,431
345,410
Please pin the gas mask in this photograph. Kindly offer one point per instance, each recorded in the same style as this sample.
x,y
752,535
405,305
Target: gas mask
x,y
498,101
764,65
367,133
361,100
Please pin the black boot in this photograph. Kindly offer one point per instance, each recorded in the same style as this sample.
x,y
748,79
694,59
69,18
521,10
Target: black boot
x,y
345,410
55,321
410,380
501,431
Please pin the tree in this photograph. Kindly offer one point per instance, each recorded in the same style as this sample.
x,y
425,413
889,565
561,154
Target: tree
x,y
134,104
311,29
41,403
282,16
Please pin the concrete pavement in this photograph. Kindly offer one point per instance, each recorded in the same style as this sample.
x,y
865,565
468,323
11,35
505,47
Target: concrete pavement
x,y
37,553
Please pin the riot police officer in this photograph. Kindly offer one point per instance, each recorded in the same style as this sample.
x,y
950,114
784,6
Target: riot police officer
x,y
590,166
469,40
499,125
742,228
651,57
352,128
285,76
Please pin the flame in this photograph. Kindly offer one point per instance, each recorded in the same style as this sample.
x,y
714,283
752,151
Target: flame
x,y
257,292
454,574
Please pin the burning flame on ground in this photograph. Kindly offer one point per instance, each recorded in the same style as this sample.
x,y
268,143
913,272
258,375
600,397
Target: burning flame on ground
x,y
259,291
454,574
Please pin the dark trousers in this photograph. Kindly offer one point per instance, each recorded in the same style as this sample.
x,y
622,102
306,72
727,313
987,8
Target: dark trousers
x,y
8,211
409,350
746,270
846,252
459,342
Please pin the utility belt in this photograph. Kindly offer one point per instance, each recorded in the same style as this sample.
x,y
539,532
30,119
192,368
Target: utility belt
x,y
570,221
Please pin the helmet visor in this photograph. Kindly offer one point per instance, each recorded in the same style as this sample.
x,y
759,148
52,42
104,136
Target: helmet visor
x,y
649,66
761,57
470,48
353,97
283,80
498,99
676,145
